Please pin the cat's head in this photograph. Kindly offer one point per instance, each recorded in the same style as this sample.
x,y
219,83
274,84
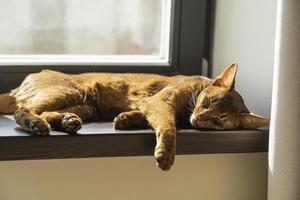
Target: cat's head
x,y
220,107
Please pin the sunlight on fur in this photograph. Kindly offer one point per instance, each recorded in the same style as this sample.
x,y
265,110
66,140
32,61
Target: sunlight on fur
x,y
51,100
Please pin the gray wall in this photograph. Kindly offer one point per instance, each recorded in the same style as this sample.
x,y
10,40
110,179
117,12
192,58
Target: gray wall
x,y
245,33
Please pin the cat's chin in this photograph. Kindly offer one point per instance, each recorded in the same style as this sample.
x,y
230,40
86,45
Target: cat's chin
x,y
195,126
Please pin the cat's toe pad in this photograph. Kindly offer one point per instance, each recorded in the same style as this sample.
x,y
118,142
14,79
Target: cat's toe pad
x,y
39,127
164,157
122,121
71,123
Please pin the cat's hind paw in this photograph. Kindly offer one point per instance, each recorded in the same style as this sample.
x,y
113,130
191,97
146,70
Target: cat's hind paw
x,y
31,123
38,127
71,123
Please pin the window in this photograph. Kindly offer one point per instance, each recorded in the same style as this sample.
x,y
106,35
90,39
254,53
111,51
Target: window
x,y
85,32
158,36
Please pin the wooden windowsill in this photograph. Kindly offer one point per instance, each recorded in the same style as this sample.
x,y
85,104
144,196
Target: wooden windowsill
x,y
101,140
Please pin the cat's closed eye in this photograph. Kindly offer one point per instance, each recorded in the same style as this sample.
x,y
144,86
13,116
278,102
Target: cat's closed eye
x,y
213,100
205,103
217,121
223,116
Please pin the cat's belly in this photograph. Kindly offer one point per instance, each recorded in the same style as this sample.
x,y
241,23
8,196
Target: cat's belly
x,y
110,102
118,96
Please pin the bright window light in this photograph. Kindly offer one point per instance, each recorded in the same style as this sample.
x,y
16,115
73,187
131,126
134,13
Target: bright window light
x,y
76,32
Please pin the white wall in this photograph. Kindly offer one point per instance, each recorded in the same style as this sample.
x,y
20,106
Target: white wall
x,y
207,177
245,33
284,145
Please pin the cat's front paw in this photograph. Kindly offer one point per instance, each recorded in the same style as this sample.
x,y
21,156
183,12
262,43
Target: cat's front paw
x,y
131,119
165,151
122,121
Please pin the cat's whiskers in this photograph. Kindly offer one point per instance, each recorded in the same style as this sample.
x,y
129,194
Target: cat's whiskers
x,y
191,110
193,99
192,103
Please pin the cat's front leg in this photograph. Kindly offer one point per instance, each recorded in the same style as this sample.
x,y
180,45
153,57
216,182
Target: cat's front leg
x,y
165,148
162,118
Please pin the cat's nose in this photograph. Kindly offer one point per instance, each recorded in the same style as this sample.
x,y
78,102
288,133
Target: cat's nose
x,y
193,121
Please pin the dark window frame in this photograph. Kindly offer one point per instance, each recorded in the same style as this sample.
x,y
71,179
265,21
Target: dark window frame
x,y
190,27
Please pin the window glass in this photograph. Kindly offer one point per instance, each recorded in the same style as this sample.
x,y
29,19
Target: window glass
x,y
95,29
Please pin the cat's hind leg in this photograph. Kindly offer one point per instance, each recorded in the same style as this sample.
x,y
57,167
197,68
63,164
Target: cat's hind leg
x,y
65,121
70,119
130,119
31,122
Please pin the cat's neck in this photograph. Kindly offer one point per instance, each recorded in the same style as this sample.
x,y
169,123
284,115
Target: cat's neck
x,y
200,83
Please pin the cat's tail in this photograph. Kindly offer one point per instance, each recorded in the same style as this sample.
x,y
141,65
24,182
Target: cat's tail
x,y
7,104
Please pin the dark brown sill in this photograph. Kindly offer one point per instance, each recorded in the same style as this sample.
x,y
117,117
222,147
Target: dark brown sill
x,y
100,140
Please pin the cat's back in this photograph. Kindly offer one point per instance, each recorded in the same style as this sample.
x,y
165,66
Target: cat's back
x,y
128,77
47,82
132,81
48,79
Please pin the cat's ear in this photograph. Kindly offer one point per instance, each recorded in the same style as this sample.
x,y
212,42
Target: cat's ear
x,y
227,77
253,121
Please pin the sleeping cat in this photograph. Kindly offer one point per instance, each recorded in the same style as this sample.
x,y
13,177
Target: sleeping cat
x,y
53,100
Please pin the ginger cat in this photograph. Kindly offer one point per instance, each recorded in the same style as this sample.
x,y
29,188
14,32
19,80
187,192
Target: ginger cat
x,y
53,100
